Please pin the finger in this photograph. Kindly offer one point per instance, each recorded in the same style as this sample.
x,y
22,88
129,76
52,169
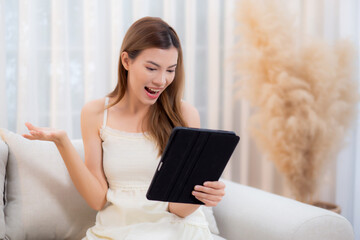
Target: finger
x,y
207,196
215,184
34,133
39,134
30,137
30,126
213,191
207,202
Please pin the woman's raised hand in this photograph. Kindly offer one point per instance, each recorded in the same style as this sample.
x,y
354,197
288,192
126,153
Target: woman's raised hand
x,y
211,193
44,133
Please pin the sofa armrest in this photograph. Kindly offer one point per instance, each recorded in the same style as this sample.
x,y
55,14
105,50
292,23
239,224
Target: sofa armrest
x,y
252,214
3,163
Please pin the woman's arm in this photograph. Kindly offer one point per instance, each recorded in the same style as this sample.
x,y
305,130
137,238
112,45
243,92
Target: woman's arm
x,y
211,192
87,177
85,182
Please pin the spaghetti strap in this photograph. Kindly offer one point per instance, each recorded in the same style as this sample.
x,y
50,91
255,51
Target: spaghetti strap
x,y
105,112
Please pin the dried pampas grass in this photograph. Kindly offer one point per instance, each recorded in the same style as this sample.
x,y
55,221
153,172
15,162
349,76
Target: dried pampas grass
x,y
304,95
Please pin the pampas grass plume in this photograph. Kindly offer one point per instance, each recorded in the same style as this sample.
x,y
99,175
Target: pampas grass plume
x,y
304,96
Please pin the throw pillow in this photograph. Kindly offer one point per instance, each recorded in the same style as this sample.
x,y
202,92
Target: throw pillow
x,y
38,206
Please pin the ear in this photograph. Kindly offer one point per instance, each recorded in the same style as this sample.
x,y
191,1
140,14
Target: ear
x,y
125,60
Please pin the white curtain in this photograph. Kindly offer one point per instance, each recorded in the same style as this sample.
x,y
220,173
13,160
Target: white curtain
x,y
57,55
333,20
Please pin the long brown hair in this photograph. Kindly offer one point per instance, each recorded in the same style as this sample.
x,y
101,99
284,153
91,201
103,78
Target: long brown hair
x,y
165,114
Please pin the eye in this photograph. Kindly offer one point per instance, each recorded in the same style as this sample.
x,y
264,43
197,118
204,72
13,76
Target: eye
x,y
171,71
151,69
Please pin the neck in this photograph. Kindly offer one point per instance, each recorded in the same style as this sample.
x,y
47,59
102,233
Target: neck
x,y
132,106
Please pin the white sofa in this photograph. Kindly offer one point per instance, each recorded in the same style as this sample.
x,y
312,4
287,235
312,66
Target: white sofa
x,y
40,202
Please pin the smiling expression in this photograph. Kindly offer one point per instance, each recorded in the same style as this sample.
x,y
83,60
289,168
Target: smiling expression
x,y
150,73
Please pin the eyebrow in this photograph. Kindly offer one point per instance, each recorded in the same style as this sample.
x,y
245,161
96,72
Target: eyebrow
x,y
159,65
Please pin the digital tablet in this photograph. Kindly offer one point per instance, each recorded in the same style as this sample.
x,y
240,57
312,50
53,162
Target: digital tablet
x,y
191,157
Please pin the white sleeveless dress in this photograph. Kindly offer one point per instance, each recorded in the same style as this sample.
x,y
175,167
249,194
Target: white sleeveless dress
x,y
129,161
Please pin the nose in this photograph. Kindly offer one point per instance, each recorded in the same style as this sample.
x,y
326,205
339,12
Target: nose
x,y
160,80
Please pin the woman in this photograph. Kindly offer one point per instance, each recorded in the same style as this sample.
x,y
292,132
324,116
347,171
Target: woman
x,y
124,135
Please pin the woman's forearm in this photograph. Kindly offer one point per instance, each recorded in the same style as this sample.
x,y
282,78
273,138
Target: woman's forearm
x,y
85,182
182,209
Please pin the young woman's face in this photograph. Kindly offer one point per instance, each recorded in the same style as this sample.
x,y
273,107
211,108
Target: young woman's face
x,y
152,71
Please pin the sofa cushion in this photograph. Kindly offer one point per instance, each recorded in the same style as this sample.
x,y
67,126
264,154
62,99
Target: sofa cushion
x,y
3,161
42,202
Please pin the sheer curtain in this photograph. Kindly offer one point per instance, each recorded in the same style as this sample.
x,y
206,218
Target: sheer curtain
x,y
57,55
333,20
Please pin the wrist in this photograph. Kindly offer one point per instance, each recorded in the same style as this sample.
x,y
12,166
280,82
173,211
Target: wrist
x,y
182,209
60,137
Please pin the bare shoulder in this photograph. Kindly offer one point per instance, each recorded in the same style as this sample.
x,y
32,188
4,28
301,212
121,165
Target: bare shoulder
x,y
92,112
190,114
94,106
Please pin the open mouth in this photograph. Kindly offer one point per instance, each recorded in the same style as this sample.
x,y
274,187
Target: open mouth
x,y
152,91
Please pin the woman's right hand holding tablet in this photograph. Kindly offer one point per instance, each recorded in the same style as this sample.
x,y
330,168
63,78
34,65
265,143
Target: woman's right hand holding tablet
x,y
44,133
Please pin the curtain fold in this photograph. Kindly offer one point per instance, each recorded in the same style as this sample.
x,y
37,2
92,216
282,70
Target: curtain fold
x,y
348,165
60,89
97,42
227,74
169,12
213,49
117,34
188,50
3,98
28,86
